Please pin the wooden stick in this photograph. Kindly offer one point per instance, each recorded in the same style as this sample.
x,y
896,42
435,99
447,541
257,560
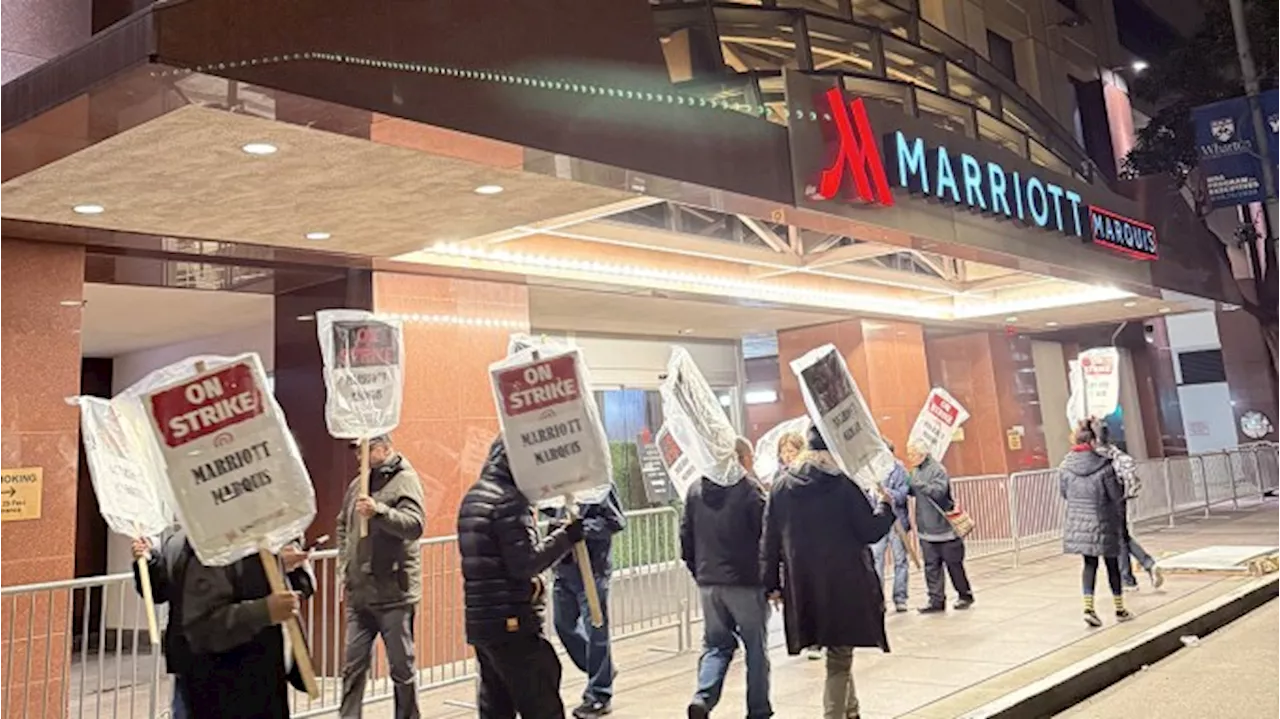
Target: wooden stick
x,y
301,655
364,482
584,567
912,553
148,599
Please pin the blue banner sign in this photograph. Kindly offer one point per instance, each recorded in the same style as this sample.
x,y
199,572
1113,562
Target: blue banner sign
x,y
1228,153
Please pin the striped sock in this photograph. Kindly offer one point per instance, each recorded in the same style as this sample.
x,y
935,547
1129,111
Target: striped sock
x,y
1088,603
1119,602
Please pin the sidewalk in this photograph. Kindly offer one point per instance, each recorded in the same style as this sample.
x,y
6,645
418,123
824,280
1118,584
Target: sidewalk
x,y
1231,673
1022,613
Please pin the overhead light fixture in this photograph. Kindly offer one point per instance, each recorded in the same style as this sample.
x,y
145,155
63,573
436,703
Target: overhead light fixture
x,y
1050,324
1131,303
1164,310
760,396
318,236
1139,65
488,189
89,209
259,148
72,303
306,318
686,331
1011,320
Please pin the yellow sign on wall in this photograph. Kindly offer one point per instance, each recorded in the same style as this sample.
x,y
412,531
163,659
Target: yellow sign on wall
x,y
20,491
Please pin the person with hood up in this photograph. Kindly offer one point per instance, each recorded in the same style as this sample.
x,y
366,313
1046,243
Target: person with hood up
x,y
940,546
816,559
504,595
1094,524
719,542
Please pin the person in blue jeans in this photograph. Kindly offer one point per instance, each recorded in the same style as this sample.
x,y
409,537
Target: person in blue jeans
x,y
895,489
719,543
588,646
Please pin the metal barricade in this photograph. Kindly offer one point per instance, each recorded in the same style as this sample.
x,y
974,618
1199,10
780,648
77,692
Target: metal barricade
x,y
1038,507
986,499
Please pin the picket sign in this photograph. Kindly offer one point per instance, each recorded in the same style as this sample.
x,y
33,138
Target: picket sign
x,y
1095,384
551,426
127,497
937,422
363,358
680,468
839,412
698,421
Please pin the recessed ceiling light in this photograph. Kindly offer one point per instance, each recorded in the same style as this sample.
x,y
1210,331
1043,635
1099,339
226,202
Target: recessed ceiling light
x,y
686,331
1011,320
488,189
1131,303
89,209
72,303
1164,310
260,148
306,318
1139,65
1050,324
318,236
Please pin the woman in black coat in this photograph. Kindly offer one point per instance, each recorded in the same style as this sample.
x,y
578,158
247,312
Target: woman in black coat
x,y
816,557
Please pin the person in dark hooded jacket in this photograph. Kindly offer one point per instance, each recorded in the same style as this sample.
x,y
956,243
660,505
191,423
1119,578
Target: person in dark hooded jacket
x,y
1094,526
504,595
816,557
719,543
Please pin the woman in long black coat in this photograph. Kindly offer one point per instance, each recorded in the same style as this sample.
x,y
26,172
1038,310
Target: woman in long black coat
x,y
816,557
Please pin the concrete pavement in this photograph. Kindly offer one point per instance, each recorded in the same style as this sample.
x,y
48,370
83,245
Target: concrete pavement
x,y
1229,674
1026,617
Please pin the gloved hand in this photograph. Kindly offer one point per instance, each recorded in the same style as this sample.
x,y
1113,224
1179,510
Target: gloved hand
x,y
574,530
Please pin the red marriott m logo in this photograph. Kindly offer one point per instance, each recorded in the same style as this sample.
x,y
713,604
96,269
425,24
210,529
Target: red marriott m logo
x,y
857,154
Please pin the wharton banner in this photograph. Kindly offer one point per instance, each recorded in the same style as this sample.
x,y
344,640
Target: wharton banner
x,y
1228,153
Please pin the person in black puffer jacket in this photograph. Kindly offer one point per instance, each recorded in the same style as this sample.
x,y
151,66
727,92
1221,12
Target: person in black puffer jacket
x,y
504,595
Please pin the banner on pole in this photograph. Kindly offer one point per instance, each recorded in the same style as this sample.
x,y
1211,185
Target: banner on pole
x,y
937,422
555,442
1228,153
363,372
233,469
841,415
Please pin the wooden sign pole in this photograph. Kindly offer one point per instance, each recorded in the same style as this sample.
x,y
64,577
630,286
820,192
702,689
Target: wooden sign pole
x,y
364,482
583,558
148,599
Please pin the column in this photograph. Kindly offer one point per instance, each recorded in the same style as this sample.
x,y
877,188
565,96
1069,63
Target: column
x,y
42,288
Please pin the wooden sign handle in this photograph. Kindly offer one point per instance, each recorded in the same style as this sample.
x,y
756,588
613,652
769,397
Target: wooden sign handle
x,y
301,657
148,598
583,558
364,482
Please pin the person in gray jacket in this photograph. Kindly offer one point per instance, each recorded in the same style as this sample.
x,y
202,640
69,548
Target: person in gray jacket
x,y
940,547
1095,519
381,575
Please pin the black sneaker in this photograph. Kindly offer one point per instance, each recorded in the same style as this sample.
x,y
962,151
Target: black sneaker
x,y
964,603
592,709
932,609
1123,615
1091,618
698,711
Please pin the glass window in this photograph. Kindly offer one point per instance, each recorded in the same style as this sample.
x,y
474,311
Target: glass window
x,y
966,86
996,132
840,46
907,63
1044,158
826,7
756,39
1000,49
935,39
877,90
878,13
945,113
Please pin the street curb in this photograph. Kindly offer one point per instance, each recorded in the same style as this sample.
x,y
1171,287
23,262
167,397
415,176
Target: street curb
x,y
1070,686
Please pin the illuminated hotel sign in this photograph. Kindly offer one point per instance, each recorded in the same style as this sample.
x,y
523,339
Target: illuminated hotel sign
x,y
962,179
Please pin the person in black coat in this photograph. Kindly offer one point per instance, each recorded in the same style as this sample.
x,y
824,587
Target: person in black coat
x,y
504,595
240,664
816,558
719,543
170,552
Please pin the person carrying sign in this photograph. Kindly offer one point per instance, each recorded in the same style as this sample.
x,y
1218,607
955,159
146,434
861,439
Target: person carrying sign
x,y
164,562
240,659
504,595
940,546
587,645
381,575
816,559
894,489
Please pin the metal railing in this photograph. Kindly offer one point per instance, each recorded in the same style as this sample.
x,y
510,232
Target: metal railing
x,y
79,647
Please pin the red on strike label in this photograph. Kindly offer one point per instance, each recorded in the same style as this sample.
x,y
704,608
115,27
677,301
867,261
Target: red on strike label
x,y
207,404
943,410
538,386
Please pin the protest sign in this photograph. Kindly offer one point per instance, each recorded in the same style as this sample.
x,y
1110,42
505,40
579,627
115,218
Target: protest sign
x,y
1099,380
363,372
689,404
841,415
767,460
937,423
234,472
555,442
680,467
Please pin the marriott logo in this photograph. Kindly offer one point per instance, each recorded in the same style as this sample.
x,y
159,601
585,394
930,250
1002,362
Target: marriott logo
x,y
857,155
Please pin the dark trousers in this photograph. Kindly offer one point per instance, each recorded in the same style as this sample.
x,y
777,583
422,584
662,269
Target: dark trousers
x,y
395,625
1089,575
586,645
519,677
949,554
